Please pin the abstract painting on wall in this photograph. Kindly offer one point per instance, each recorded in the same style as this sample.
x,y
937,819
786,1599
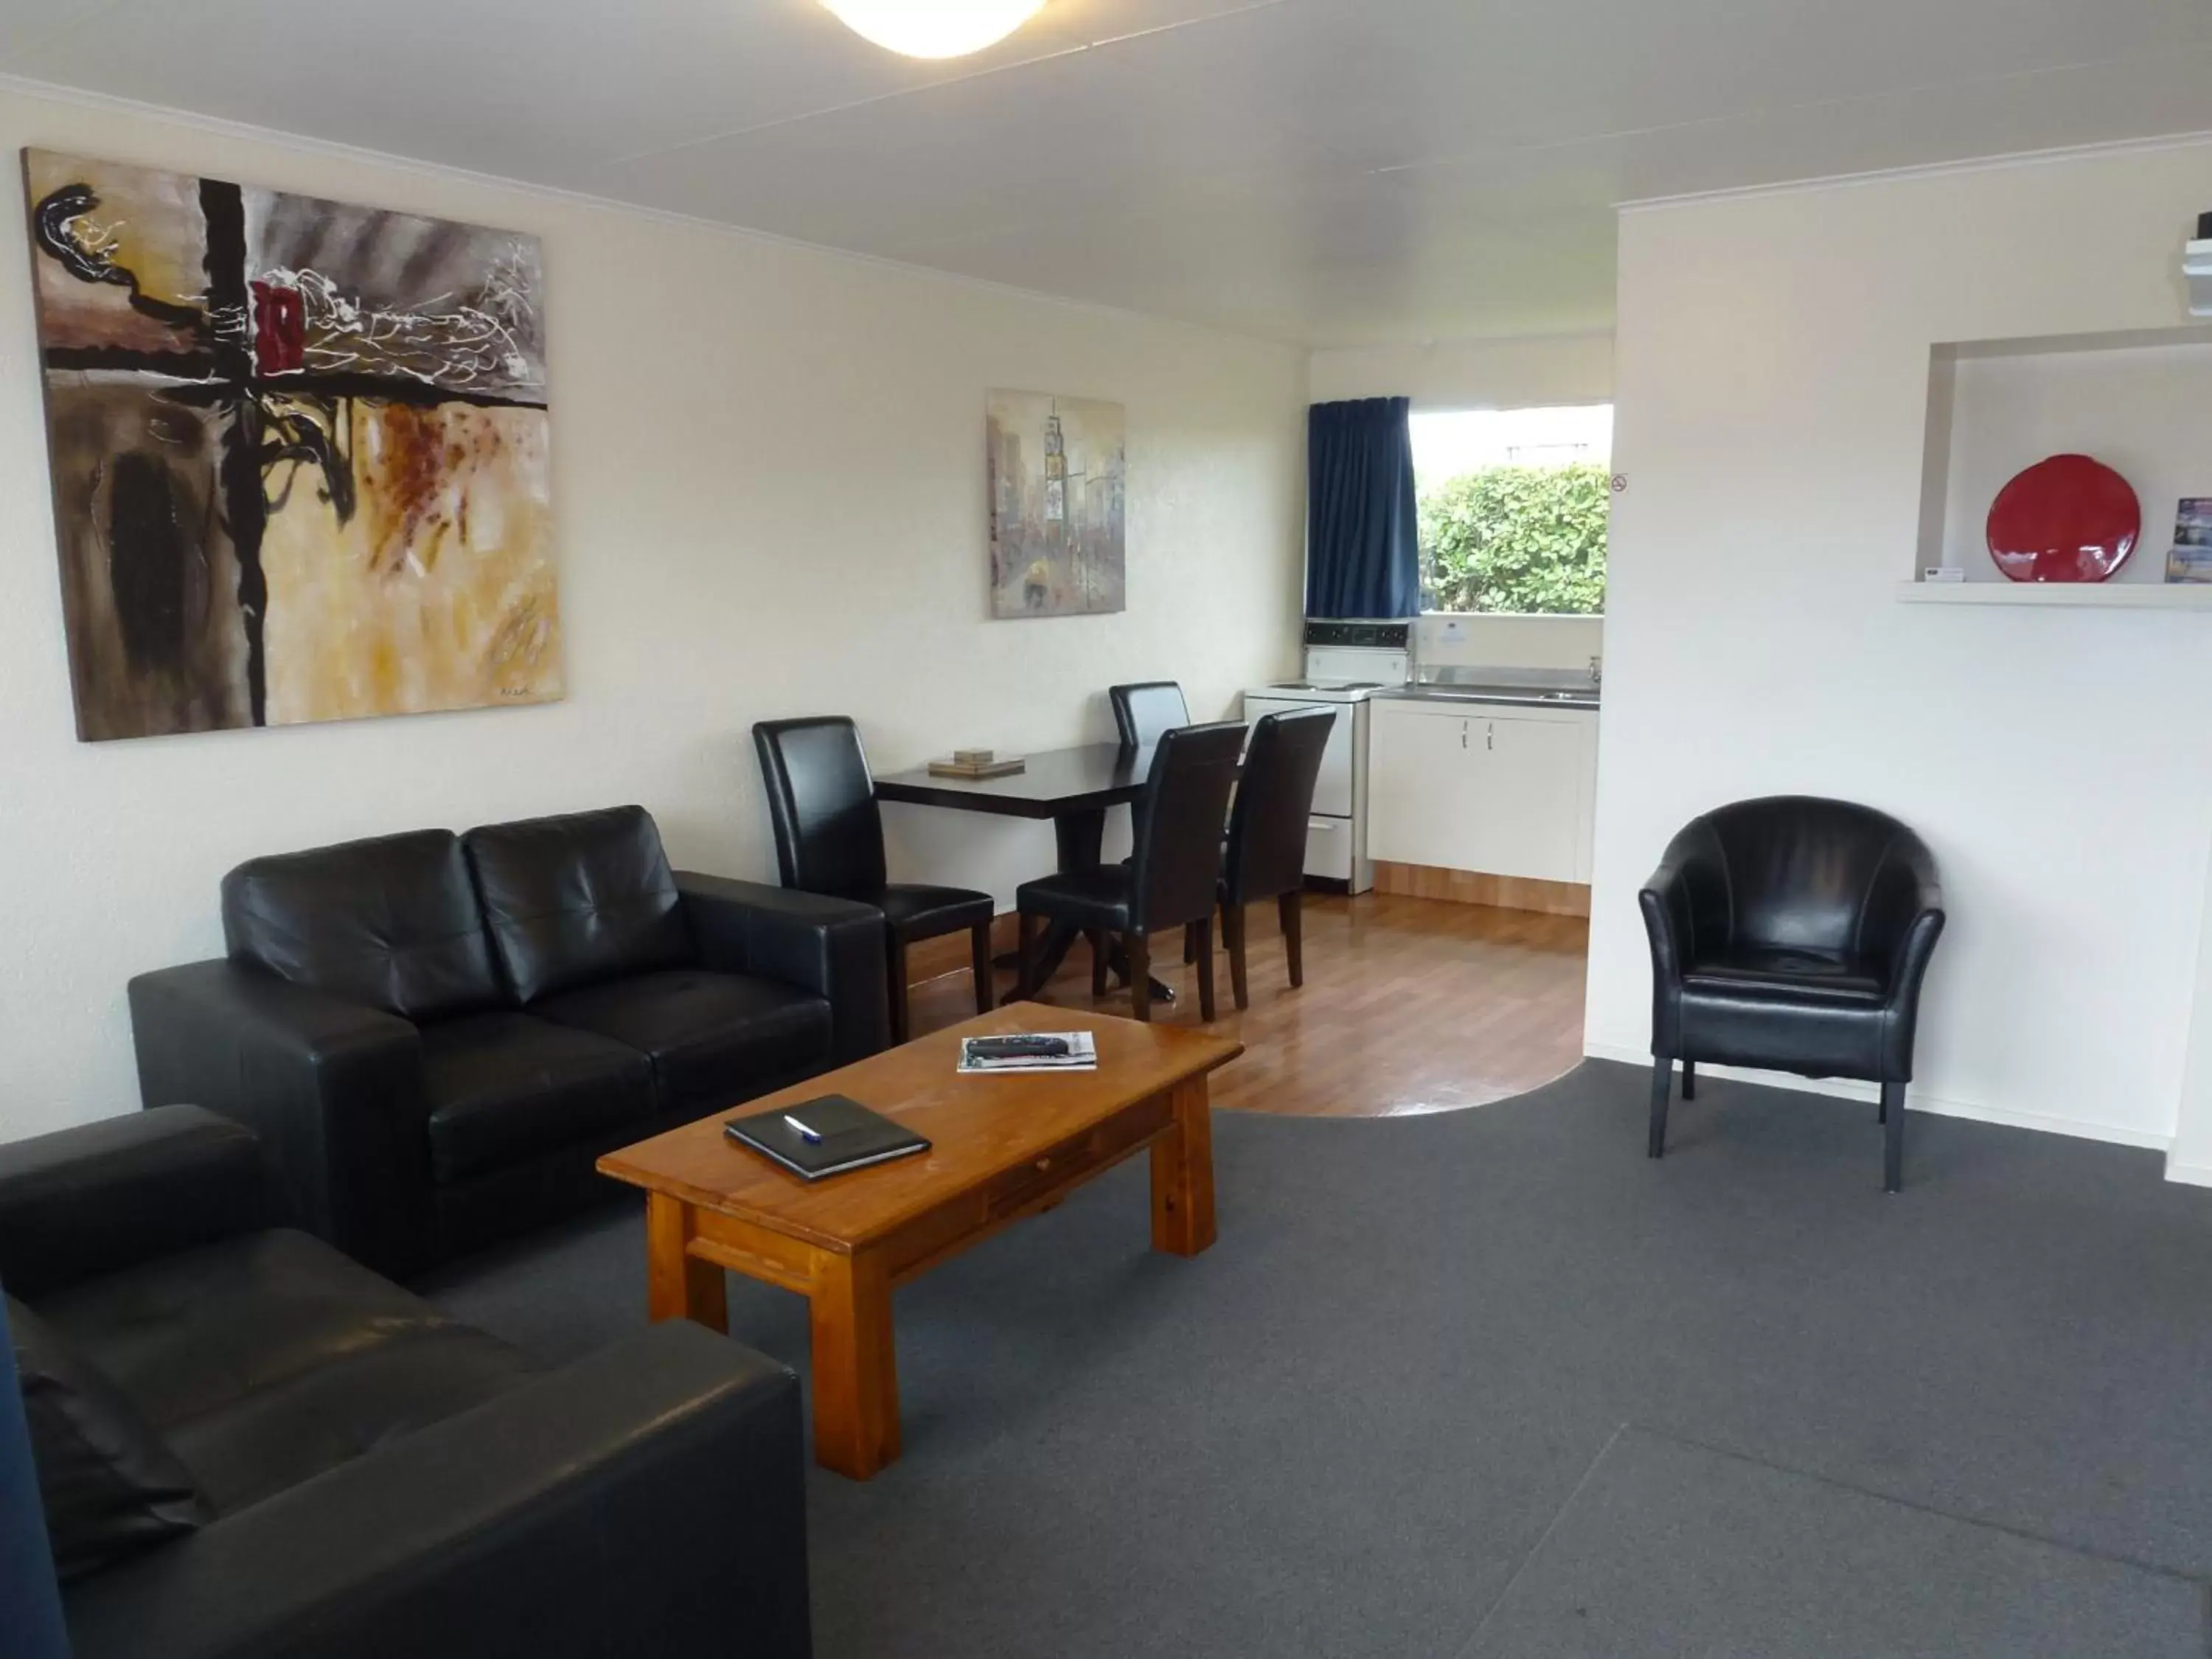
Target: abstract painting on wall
x,y
1057,542
299,453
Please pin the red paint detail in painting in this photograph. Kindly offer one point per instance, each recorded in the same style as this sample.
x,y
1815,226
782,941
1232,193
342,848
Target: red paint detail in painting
x,y
280,329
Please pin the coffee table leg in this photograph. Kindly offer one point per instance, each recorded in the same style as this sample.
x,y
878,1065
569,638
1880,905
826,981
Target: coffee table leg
x,y
856,1427
678,1286
1182,1175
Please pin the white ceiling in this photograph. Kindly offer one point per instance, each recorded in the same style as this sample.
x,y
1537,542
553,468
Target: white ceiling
x,y
1332,172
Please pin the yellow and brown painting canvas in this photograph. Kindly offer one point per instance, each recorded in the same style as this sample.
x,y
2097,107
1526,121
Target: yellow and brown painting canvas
x,y
299,453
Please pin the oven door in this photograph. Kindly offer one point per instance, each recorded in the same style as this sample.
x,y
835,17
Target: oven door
x,y
1333,788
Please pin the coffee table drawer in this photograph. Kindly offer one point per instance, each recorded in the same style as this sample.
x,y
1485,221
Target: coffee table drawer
x,y
1060,1166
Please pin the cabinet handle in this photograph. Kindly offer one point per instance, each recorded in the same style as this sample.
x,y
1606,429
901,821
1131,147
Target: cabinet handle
x,y
1490,738
1463,734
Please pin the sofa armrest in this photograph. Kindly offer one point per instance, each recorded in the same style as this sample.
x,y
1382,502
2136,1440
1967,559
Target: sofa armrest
x,y
648,1499
333,1088
92,1200
832,946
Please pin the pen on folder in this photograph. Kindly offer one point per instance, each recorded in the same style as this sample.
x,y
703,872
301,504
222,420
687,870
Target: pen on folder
x,y
810,1135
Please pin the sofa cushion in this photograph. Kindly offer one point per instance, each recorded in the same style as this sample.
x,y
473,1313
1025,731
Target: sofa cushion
x,y
578,899
392,922
503,1087
270,1358
109,1486
270,1440
190,1332
713,1039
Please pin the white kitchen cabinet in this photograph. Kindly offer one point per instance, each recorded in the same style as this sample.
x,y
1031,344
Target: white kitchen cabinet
x,y
1498,789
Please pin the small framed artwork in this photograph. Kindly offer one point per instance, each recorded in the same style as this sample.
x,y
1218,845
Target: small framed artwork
x,y
2190,558
1058,542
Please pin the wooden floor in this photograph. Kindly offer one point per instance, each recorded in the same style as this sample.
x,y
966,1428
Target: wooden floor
x,y
1410,1005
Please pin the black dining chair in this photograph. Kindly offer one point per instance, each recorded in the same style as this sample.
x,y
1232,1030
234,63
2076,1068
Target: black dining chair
x,y
1143,711
829,839
1791,934
1169,884
1266,856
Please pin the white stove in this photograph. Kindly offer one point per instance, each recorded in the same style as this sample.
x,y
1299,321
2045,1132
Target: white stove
x,y
1347,663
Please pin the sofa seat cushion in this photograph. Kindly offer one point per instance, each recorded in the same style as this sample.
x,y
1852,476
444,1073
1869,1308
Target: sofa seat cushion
x,y
1779,973
266,1359
187,1332
110,1485
507,1087
713,1039
270,1440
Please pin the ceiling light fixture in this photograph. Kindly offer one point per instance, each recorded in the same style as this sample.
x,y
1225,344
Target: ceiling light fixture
x,y
934,29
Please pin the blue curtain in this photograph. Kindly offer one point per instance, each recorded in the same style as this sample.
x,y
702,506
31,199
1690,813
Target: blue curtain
x,y
30,1606
1363,551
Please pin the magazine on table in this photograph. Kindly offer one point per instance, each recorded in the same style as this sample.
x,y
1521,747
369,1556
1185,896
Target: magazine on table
x,y
1030,1051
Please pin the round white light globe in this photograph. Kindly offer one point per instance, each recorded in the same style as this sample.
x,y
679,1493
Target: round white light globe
x,y
934,29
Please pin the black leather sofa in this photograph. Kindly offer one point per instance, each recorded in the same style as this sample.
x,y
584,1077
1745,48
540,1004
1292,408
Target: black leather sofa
x,y
249,1446
435,1035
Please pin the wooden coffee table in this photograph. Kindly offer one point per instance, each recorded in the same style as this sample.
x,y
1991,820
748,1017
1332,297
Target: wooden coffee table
x,y
1002,1148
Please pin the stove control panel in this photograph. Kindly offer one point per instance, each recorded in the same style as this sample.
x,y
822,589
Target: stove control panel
x,y
1371,635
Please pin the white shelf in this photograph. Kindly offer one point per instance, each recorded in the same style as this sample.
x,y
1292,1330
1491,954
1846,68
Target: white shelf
x,y
2094,596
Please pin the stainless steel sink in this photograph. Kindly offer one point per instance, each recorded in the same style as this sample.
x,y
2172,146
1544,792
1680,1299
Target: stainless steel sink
x,y
1519,694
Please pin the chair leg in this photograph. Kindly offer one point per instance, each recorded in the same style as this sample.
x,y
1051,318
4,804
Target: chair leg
x,y
1232,932
897,987
1099,970
1190,943
980,961
1204,930
1028,932
1892,1151
1689,1079
1292,907
1662,1081
1138,949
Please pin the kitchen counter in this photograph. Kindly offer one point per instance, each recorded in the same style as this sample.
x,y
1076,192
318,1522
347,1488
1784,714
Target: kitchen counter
x,y
1523,696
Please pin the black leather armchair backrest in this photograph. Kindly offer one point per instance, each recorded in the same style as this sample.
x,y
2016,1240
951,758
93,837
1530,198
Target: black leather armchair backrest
x,y
1176,872
1268,828
577,899
392,923
1144,710
1808,874
828,830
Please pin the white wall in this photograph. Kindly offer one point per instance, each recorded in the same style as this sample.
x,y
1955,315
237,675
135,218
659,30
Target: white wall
x,y
769,499
1539,372
1773,363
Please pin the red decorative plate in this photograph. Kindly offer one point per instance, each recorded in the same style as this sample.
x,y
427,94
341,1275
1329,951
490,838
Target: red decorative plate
x,y
2067,519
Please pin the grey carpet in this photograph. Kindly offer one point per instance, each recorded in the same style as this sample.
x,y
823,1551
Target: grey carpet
x,y
1349,1426
1668,1550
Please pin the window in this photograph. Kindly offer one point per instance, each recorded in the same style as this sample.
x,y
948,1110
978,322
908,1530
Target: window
x,y
1513,508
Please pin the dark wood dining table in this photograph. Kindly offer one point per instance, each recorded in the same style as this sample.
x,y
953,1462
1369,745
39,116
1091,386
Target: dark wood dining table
x,y
1072,787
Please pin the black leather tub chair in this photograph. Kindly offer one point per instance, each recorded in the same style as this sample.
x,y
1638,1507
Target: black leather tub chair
x,y
437,1036
249,1446
1791,934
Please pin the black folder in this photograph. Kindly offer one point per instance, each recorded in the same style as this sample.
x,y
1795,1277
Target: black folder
x,y
852,1137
